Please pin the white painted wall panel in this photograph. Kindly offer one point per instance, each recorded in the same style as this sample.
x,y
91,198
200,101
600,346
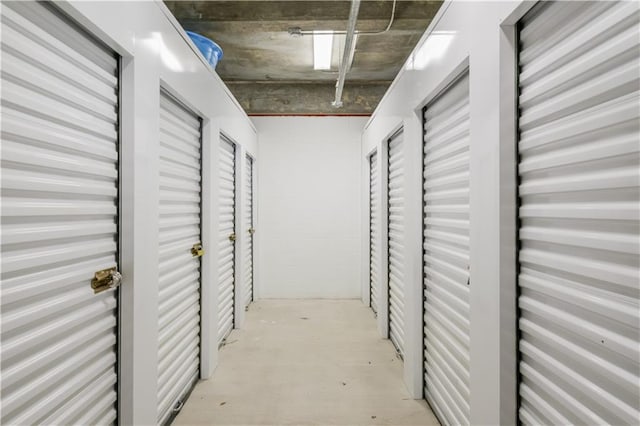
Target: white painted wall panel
x,y
579,213
309,207
59,220
446,252
179,279
396,241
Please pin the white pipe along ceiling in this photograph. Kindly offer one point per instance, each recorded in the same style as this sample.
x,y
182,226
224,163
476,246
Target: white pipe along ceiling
x,y
349,46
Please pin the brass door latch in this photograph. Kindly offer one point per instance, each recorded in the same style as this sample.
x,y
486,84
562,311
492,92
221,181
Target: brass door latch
x,y
232,237
106,279
197,250
252,231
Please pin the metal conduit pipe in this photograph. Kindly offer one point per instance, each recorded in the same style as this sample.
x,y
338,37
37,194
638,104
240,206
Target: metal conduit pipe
x,y
298,32
349,47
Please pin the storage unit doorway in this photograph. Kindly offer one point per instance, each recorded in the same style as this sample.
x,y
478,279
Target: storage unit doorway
x,y
578,214
60,220
446,225
249,230
180,251
374,233
395,223
227,238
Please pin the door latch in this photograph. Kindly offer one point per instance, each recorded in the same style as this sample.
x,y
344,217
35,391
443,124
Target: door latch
x,y
252,231
106,279
197,250
232,237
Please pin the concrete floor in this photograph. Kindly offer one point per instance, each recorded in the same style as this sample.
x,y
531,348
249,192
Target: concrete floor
x,y
306,362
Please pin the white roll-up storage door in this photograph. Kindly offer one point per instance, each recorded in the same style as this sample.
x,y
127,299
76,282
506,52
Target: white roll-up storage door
x,y
59,220
579,213
248,231
396,240
446,253
179,255
374,232
227,237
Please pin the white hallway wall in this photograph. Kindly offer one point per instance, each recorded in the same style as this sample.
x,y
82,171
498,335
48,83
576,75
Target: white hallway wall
x,y
155,53
480,36
309,207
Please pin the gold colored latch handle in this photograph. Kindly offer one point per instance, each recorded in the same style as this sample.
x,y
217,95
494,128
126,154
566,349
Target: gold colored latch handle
x,y
106,279
232,237
252,231
197,250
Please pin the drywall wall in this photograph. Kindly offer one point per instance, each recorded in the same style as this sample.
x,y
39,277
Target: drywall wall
x,y
155,53
309,207
479,36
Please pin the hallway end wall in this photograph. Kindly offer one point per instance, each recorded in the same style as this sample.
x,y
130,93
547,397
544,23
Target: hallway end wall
x,y
309,201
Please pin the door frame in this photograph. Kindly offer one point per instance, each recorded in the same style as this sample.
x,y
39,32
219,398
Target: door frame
x,y
399,129
456,74
238,305
249,159
369,293
176,97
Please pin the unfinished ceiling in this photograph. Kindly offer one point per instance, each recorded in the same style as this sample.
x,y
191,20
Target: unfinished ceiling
x,y
270,71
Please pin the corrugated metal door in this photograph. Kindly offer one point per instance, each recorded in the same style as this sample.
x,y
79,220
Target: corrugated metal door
x,y
446,253
396,240
374,232
248,235
579,216
227,238
59,220
179,256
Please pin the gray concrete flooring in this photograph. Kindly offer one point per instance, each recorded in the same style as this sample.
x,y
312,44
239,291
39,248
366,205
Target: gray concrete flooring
x,y
306,362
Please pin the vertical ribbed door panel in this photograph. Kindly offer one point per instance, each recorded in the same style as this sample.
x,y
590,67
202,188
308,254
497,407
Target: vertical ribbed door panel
x,y
59,220
579,212
446,253
374,232
226,239
179,269
396,240
248,232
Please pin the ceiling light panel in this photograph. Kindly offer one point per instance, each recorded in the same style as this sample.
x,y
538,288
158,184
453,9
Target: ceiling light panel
x,y
322,48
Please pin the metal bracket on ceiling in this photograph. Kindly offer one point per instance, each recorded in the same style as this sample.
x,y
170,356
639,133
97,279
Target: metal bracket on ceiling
x,y
295,32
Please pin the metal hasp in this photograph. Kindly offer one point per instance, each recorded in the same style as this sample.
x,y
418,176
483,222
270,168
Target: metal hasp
x,y
232,237
197,250
105,279
252,231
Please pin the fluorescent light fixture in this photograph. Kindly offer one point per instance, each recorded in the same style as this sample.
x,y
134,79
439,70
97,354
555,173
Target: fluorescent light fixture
x,y
322,46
